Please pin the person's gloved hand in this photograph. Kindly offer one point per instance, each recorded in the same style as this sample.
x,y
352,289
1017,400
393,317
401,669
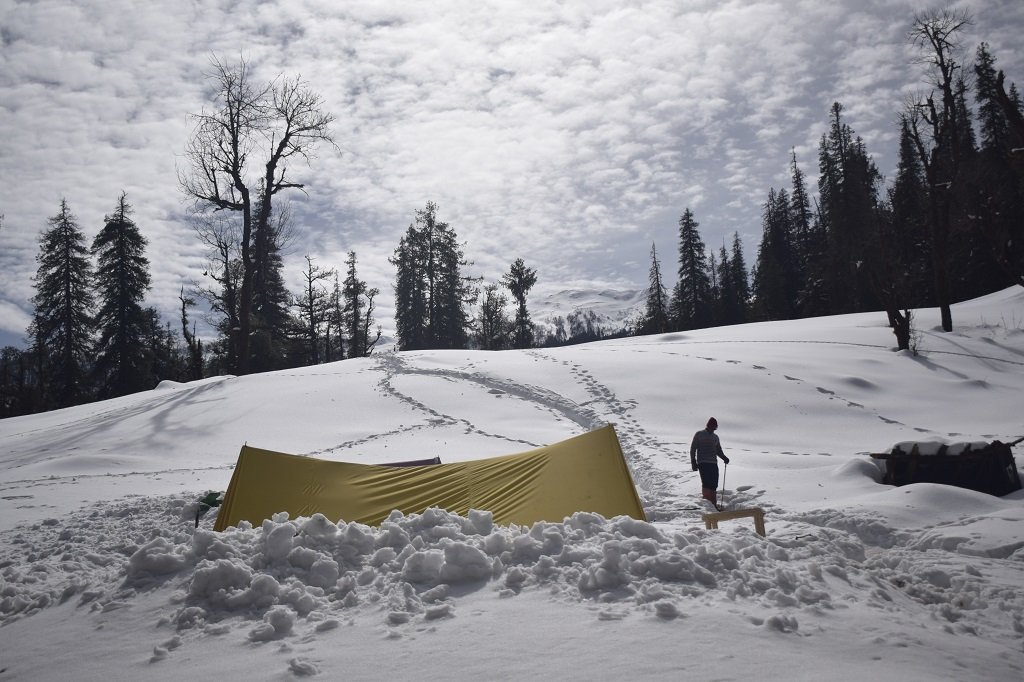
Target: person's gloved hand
x,y
725,459
693,464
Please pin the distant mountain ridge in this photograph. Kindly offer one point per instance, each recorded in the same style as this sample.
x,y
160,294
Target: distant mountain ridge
x,y
612,309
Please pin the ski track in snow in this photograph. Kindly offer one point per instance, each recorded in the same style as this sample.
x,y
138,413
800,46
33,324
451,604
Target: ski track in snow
x,y
601,407
659,489
393,366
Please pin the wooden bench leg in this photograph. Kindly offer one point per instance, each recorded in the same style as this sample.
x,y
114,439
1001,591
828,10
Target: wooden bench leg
x,y
711,519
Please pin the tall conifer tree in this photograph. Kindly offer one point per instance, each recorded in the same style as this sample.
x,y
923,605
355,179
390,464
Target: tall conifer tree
x,y
519,280
493,327
808,245
735,283
431,294
122,280
62,321
800,210
717,271
908,201
334,325
357,299
848,190
656,318
997,201
774,284
270,323
691,298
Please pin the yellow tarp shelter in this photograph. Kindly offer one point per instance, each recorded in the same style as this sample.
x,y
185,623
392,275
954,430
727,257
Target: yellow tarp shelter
x,y
585,473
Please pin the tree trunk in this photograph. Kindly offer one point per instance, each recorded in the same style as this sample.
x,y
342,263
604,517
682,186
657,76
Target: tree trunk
x,y
940,257
901,327
243,331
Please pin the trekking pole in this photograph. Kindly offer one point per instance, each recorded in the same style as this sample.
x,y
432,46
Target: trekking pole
x,y
725,470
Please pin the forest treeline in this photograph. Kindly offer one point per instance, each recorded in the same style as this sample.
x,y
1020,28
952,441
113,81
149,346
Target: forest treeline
x,y
948,227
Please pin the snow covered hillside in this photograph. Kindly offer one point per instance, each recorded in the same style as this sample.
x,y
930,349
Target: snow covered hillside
x,y
104,576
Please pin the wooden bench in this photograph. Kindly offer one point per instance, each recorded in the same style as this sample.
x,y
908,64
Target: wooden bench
x,y
711,519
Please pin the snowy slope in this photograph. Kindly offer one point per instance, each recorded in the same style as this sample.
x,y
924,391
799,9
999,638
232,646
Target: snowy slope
x,y
102,575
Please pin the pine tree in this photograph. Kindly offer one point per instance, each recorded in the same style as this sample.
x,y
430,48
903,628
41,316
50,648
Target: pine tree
x,y
735,283
357,311
908,201
19,382
799,209
62,321
997,199
122,279
493,328
848,190
656,318
978,273
270,317
777,285
1013,106
519,280
411,295
808,247
164,355
786,252
450,319
431,295
889,277
691,299
769,289
992,121
334,323
717,271
812,250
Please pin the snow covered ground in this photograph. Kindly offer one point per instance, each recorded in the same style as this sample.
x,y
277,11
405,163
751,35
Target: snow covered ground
x,y
104,577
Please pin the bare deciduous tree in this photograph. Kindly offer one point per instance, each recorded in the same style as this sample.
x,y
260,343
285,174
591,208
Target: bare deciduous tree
x,y
937,130
192,342
220,233
238,159
314,307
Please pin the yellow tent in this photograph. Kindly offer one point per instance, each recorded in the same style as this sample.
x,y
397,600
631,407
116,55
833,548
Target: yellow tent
x,y
585,473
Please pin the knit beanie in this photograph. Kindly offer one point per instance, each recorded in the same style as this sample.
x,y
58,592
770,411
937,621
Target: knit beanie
x,y
712,424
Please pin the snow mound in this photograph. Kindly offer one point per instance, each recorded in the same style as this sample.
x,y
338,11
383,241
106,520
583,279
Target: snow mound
x,y
304,576
937,446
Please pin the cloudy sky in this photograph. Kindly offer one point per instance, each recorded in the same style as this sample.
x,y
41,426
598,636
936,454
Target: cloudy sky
x,y
572,134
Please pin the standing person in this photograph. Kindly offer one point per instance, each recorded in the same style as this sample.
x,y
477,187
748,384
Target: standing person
x,y
705,451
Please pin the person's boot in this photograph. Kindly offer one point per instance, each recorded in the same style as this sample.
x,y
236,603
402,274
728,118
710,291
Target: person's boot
x,y
714,498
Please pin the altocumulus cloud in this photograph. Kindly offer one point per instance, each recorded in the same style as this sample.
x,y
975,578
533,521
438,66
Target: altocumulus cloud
x,y
572,134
